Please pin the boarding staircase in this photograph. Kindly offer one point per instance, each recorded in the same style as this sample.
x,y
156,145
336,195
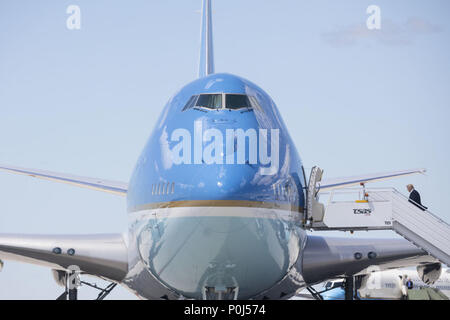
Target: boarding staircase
x,y
380,209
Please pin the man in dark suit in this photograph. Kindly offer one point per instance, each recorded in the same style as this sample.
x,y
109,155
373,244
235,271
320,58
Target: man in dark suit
x,y
414,197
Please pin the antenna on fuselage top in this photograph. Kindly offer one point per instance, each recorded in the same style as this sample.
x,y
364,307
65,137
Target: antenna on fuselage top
x,y
206,66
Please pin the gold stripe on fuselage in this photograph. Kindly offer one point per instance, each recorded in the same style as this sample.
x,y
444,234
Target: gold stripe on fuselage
x,y
219,203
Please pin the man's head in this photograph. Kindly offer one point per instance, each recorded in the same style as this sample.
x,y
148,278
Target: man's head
x,y
410,187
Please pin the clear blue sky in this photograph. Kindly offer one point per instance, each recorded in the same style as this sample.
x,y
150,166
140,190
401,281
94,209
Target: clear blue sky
x,y
85,101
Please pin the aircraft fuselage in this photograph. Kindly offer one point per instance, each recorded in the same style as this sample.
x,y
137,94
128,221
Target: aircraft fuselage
x,y
216,198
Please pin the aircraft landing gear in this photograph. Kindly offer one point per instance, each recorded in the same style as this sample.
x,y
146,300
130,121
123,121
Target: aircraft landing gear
x,y
316,295
73,282
104,292
351,286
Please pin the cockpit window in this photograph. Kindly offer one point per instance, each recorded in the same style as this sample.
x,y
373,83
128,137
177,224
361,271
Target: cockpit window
x,y
210,101
222,102
191,103
237,101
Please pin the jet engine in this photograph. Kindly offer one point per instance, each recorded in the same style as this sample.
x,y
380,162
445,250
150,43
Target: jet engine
x,y
60,277
429,273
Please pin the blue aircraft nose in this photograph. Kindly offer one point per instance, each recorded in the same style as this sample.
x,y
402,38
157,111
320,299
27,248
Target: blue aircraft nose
x,y
232,182
225,228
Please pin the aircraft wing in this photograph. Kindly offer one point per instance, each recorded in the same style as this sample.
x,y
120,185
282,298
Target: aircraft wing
x,y
104,256
114,187
335,183
326,258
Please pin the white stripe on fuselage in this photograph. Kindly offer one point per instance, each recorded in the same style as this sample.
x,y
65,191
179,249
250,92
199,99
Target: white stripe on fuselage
x,y
227,212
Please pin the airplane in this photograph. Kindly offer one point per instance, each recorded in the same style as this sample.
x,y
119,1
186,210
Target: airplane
x,y
212,216
390,285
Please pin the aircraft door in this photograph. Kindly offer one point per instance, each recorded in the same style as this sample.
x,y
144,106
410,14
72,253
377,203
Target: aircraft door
x,y
315,210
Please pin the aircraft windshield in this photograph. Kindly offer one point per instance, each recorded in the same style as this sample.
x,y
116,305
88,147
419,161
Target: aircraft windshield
x,y
237,101
209,101
216,102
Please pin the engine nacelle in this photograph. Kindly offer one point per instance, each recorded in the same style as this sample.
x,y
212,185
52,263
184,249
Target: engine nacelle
x,y
429,273
60,277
